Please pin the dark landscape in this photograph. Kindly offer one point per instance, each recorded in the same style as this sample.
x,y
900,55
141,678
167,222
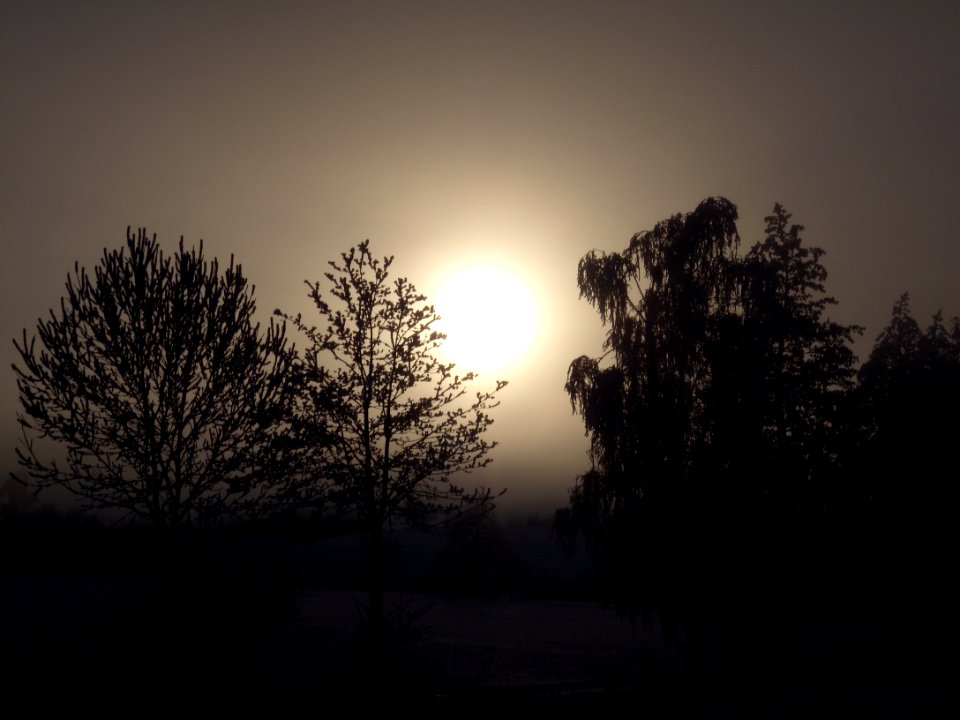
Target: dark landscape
x,y
588,357
277,618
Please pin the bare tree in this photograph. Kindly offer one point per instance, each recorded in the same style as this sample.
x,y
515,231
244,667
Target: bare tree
x,y
389,423
166,398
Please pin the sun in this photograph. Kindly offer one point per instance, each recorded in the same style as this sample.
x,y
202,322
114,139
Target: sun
x,y
489,318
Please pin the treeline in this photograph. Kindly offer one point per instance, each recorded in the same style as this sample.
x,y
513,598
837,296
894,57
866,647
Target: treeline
x,y
152,395
746,475
744,472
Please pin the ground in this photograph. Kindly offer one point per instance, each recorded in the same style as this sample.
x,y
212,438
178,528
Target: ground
x,y
282,623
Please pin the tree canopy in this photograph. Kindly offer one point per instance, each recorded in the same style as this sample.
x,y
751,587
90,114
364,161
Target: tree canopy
x,y
802,362
715,399
386,425
167,399
908,393
664,300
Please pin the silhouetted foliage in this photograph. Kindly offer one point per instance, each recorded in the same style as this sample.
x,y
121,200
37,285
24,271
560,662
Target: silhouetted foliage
x,y
900,487
909,392
386,424
642,402
665,300
162,396
476,557
711,414
802,364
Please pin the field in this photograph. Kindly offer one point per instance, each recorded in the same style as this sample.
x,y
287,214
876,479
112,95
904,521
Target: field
x,y
286,626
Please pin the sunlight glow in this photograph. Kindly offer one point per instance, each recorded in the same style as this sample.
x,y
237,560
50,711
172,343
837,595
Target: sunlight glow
x,y
489,317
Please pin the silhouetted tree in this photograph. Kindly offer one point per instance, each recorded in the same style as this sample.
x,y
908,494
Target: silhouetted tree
x,y
164,398
388,423
802,365
664,299
712,411
903,480
909,390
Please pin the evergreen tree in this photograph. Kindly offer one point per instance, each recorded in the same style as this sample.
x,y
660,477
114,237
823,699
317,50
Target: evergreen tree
x,y
803,364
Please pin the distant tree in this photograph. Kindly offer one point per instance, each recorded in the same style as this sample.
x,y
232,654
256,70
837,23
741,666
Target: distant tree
x,y
904,490
388,423
909,390
897,354
161,395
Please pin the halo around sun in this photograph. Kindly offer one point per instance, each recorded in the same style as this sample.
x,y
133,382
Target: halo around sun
x,y
489,317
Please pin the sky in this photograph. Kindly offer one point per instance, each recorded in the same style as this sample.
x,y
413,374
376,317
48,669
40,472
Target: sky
x,y
450,134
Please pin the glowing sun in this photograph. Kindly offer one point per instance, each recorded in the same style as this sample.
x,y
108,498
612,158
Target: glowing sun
x,y
489,317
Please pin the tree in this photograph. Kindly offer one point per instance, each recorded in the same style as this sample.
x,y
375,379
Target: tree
x,y
167,400
387,422
904,498
663,299
909,389
803,364
719,374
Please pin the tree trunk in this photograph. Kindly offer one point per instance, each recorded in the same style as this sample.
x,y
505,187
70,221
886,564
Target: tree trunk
x,y
376,581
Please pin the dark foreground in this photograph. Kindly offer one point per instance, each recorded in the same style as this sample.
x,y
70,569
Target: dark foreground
x,y
110,637
256,626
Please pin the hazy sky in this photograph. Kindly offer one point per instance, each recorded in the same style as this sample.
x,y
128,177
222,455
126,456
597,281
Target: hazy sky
x,y
519,133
